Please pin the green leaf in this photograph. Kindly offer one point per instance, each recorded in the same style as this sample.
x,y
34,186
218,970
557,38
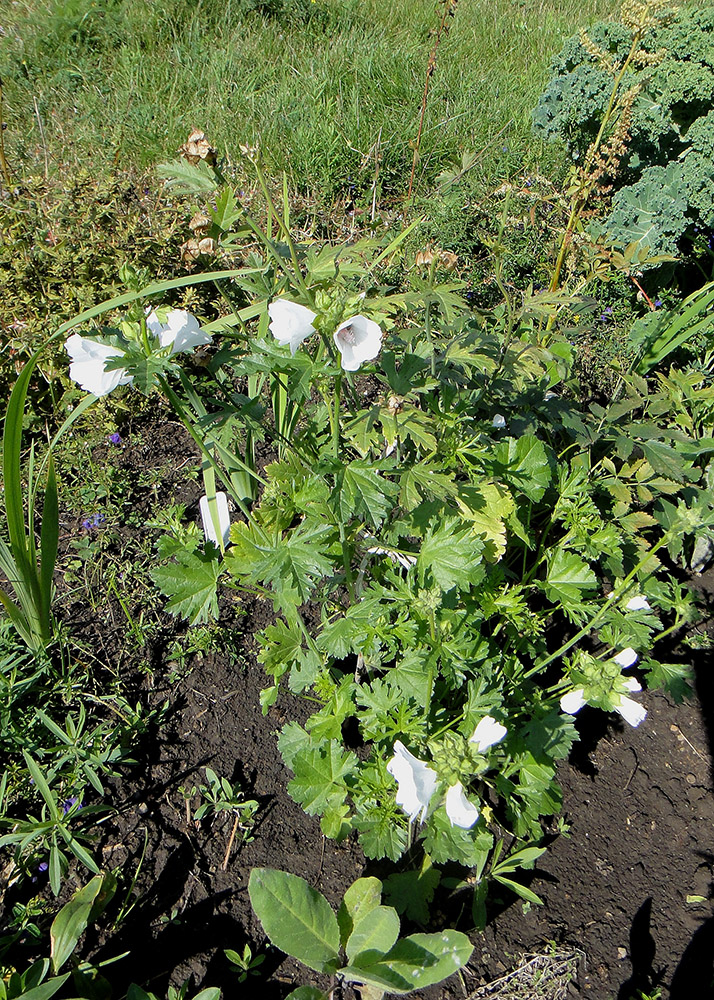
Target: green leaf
x,y
291,565
361,898
72,921
320,773
666,462
568,577
306,993
452,555
676,678
520,890
291,741
445,842
280,647
185,178
225,213
365,494
47,989
415,962
411,892
524,463
296,918
191,584
373,935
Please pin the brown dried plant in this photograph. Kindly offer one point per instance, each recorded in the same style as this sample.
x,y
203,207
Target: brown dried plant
x,y
604,156
448,12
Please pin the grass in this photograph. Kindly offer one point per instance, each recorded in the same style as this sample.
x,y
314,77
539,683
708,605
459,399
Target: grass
x,y
326,88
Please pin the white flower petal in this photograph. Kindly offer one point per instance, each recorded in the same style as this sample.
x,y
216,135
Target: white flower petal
x,y
630,711
181,332
358,340
460,811
499,421
573,701
224,519
416,781
626,657
487,732
639,603
87,367
631,684
290,323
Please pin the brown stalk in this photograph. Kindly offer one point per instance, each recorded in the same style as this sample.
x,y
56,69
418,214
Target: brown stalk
x,y
3,160
449,11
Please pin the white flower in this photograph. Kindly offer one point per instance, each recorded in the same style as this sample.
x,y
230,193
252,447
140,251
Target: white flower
x,y
180,332
358,340
460,811
290,323
87,367
415,779
629,710
639,603
499,421
573,701
224,520
487,732
626,658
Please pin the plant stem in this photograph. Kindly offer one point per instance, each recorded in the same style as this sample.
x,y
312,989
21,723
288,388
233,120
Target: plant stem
x,y
230,842
449,10
7,176
591,624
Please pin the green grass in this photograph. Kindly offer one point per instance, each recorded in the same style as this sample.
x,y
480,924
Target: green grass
x,y
322,87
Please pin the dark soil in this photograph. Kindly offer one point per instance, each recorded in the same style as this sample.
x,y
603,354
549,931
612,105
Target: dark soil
x,y
638,804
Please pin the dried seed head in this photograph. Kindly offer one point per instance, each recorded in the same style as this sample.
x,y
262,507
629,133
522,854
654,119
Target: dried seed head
x,y
200,223
197,148
192,249
424,258
448,259
395,404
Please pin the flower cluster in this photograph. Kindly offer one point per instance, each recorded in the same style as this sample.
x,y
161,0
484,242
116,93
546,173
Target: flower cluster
x,y
357,339
180,332
630,710
417,782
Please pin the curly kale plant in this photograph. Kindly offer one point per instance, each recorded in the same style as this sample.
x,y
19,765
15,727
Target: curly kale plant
x,y
662,174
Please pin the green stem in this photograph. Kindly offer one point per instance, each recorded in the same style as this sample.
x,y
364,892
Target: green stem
x,y
198,440
600,614
336,420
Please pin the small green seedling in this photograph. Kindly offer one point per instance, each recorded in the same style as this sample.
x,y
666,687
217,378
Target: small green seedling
x,y
360,944
248,963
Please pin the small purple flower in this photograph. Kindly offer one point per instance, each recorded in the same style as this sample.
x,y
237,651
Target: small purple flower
x,y
605,316
529,181
657,303
69,803
115,438
43,866
92,522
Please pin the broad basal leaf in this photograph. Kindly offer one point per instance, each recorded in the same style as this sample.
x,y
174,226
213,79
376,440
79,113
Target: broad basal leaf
x,y
411,892
297,918
361,898
415,962
487,507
